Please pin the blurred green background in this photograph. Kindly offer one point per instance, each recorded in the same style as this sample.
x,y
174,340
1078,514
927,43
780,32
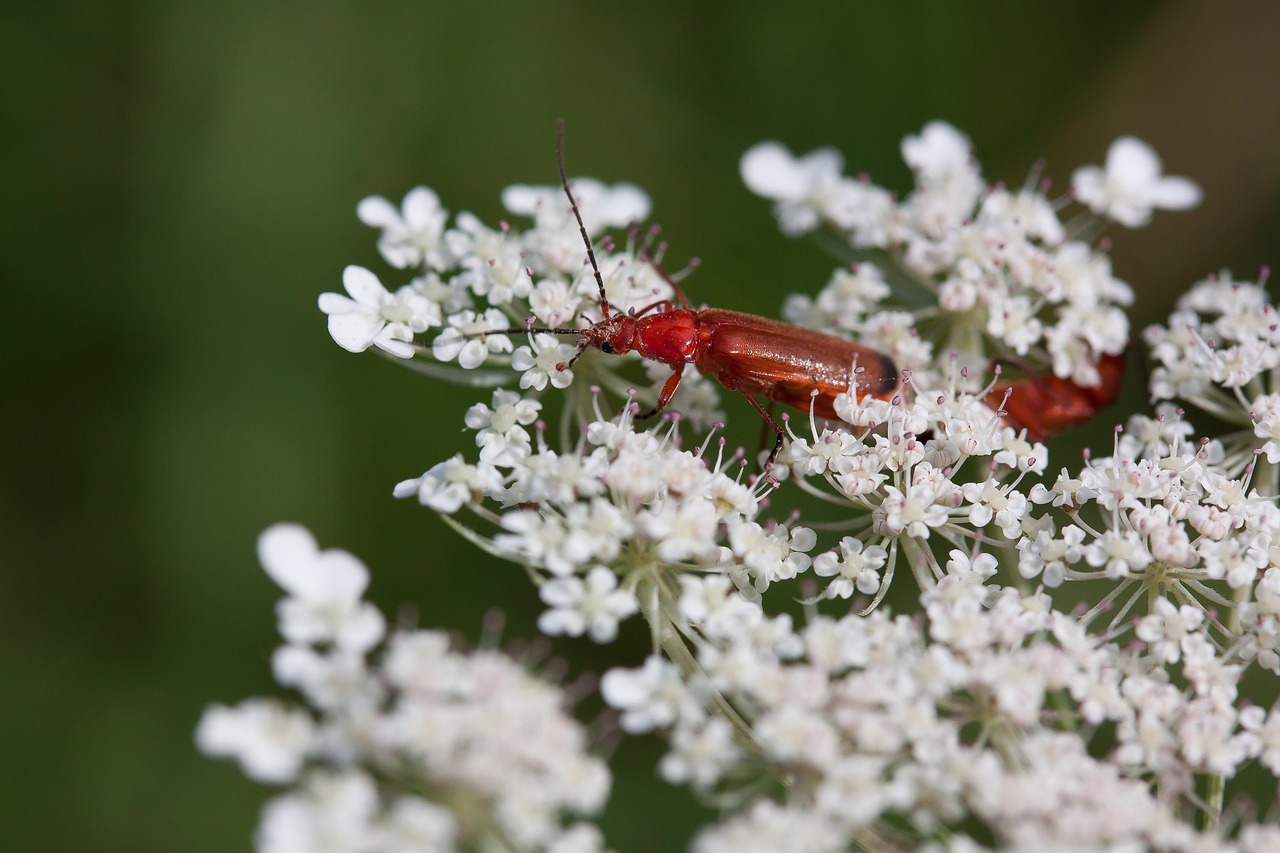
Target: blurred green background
x,y
181,181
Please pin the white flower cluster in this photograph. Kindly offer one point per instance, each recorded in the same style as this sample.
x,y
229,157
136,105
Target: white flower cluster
x,y
470,279
617,505
998,716
413,746
1220,352
983,727
1000,276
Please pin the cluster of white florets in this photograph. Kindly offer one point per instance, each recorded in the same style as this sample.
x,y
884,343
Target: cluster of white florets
x,y
635,502
978,724
401,743
996,719
646,510
1220,352
468,279
1000,277
991,718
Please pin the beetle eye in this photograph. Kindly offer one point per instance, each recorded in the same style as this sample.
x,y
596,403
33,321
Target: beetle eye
x,y
606,348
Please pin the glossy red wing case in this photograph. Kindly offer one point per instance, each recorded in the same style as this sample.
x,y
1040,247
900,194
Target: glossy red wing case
x,y
787,363
1046,405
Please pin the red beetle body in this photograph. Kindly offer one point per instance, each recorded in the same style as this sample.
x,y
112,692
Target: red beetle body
x,y
757,356
754,355
1048,405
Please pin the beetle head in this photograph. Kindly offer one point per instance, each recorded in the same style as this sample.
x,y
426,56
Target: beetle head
x,y
615,335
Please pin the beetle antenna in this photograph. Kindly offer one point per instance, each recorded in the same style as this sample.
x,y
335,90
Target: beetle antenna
x,y
573,205
522,330
582,347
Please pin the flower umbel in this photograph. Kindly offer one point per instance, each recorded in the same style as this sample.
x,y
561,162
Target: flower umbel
x,y
976,707
399,734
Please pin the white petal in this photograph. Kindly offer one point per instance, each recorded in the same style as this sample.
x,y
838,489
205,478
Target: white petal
x,y
421,207
407,488
447,345
603,630
524,199
522,358
363,286
473,354
567,622
269,740
337,576
399,254
377,212
336,303
770,170
395,340
803,538
938,150
622,205
363,630
447,500
1175,194
601,579
1089,183
561,593
822,162
287,552
1131,161
354,332
624,688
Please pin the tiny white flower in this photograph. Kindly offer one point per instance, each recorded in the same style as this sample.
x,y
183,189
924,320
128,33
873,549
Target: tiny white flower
x,y
545,359
805,188
682,530
700,754
375,317
1121,552
462,340
914,512
938,152
1166,627
332,811
771,555
450,484
500,435
413,824
553,303
593,605
410,235
856,566
267,738
652,697
324,587
1131,185
601,205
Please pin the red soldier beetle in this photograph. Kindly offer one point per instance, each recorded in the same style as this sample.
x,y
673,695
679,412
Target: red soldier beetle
x,y
1046,405
755,356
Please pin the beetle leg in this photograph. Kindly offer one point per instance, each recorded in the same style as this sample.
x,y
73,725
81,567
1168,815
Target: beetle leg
x,y
668,391
773,425
765,431
662,305
679,291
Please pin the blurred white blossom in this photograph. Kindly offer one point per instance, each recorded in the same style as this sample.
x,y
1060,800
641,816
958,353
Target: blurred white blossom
x,y
399,732
1131,186
411,235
